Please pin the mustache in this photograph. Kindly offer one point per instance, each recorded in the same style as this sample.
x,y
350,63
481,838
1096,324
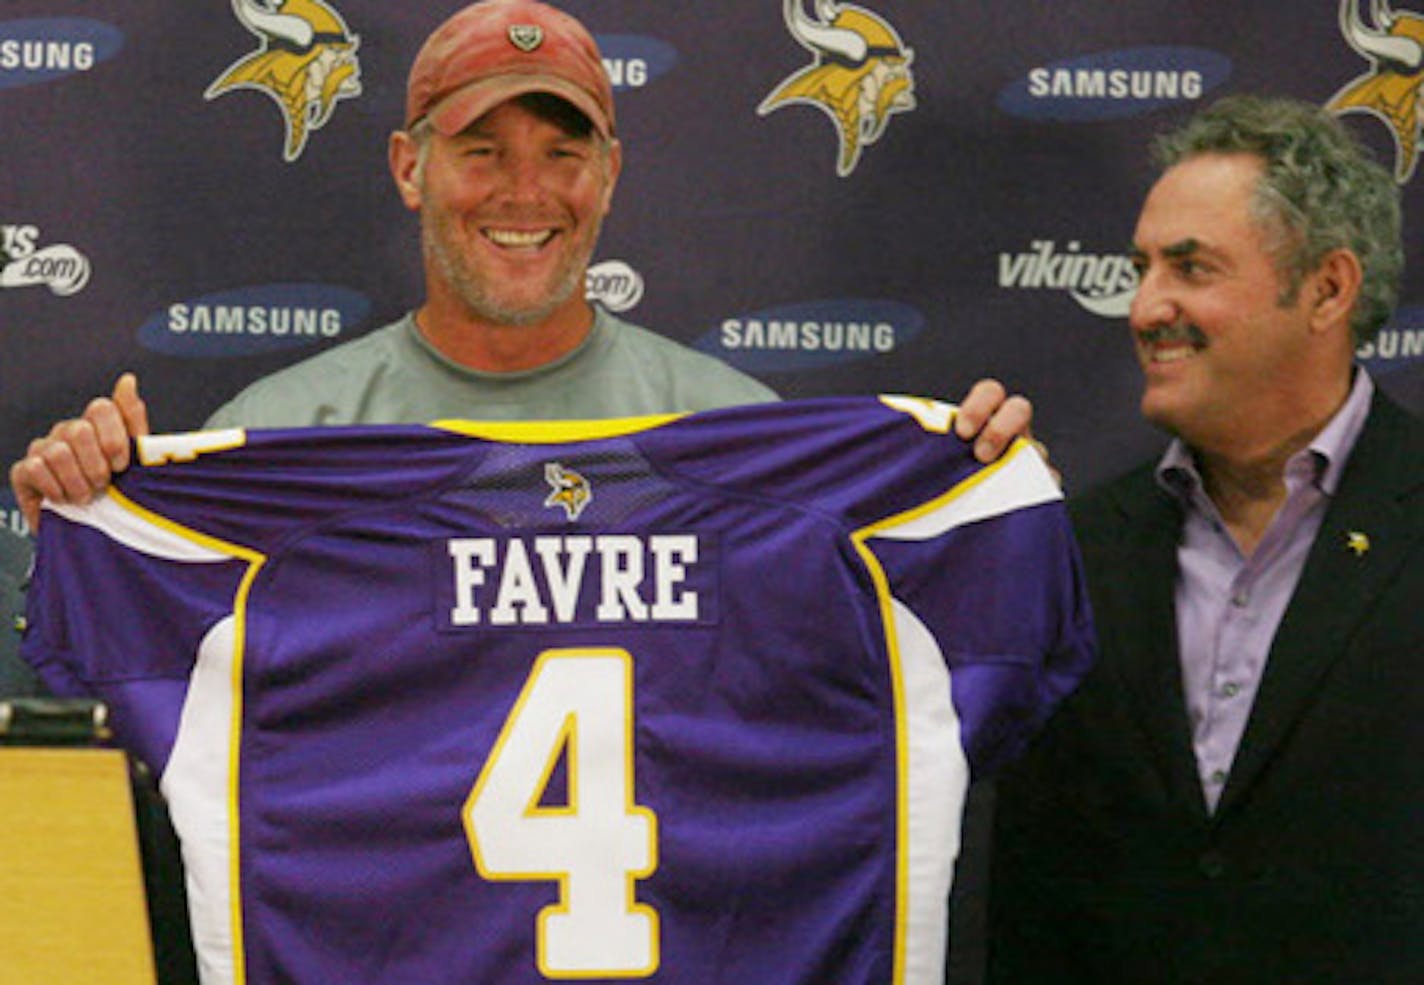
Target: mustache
x,y
1176,332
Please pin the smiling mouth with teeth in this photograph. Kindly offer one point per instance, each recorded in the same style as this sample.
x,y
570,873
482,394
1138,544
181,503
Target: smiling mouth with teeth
x,y
517,239
1171,354
1171,344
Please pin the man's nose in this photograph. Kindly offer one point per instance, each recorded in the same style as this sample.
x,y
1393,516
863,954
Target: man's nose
x,y
1152,305
521,177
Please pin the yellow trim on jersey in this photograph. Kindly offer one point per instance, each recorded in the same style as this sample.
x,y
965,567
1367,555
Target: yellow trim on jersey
x,y
554,432
239,648
897,690
255,560
215,544
897,682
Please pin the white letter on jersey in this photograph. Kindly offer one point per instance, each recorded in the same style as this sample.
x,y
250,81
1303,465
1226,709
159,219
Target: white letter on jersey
x,y
577,702
933,415
159,449
622,573
517,589
564,581
471,555
671,552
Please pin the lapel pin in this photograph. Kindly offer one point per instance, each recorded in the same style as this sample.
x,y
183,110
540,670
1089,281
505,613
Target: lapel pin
x,y
1358,542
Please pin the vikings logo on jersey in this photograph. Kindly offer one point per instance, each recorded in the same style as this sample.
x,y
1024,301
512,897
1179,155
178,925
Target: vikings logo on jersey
x,y
1390,90
307,63
571,490
860,78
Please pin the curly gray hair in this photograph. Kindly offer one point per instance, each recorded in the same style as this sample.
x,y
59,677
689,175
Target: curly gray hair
x,y
1320,191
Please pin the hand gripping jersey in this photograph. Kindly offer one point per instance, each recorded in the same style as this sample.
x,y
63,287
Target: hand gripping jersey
x,y
689,699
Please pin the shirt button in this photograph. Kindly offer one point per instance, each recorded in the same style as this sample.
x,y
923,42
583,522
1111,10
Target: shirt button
x,y
1240,599
1218,777
1230,690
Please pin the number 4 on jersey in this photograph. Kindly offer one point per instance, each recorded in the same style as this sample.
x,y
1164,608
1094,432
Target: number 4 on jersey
x,y
577,703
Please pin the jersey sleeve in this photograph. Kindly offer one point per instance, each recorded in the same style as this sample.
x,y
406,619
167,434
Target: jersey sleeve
x,y
853,460
978,562
119,606
127,590
987,578
256,487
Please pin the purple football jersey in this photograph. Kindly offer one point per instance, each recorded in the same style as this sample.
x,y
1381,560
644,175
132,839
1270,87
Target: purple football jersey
x,y
691,699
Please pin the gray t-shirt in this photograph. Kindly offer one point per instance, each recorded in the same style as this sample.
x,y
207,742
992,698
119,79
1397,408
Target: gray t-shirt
x,y
394,376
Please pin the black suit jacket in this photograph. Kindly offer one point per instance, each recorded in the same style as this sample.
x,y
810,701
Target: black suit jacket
x,y
1108,866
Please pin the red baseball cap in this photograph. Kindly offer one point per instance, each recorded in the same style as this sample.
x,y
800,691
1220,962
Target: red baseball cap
x,y
495,50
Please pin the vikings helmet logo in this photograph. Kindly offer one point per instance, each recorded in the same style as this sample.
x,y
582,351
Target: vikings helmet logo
x,y
307,63
861,75
571,490
1390,90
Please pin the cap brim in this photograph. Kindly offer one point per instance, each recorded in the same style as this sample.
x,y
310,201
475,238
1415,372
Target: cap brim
x,y
468,103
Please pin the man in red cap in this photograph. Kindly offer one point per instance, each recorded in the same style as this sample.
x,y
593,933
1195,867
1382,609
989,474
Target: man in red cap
x,y
509,153
510,156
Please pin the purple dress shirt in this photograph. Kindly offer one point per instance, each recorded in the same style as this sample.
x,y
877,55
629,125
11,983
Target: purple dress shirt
x,y
1229,605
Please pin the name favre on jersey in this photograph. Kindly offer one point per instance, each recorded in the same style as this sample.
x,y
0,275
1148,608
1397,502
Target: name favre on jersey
x,y
578,579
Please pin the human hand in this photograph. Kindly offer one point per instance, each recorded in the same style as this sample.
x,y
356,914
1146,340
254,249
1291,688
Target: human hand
x,y
79,457
992,419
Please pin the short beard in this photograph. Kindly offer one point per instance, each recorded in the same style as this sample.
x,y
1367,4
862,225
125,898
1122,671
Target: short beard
x,y
441,249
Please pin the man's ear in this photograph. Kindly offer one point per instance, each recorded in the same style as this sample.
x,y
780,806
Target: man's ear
x,y
403,154
1333,289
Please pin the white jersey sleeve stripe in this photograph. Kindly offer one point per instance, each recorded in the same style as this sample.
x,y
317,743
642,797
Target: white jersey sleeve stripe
x,y
124,521
197,784
1017,481
936,779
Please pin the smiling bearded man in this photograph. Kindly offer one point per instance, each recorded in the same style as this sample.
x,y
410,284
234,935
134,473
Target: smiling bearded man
x,y
510,157
509,154
511,208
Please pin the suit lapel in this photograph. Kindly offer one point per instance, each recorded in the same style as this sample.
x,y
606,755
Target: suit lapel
x,y
1381,496
1140,617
